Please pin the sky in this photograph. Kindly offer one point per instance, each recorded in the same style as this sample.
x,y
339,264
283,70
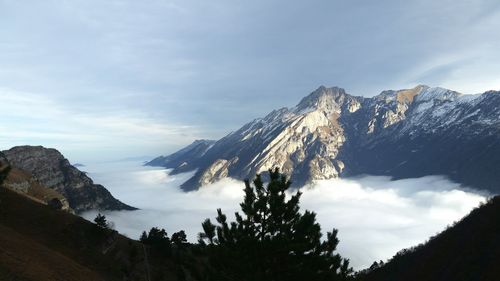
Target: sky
x,y
111,79
375,216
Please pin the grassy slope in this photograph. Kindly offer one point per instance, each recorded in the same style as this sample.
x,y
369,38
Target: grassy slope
x,y
22,256
36,191
38,243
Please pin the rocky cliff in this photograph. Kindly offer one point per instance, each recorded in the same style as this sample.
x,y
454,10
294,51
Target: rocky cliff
x,y
405,133
50,169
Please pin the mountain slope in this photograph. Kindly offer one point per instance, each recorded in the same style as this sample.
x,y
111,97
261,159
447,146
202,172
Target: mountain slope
x,y
453,135
52,170
18,252
470,250
177,160
24,184
40,243
329,134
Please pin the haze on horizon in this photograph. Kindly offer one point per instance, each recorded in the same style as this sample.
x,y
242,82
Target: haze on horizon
x,y
106,80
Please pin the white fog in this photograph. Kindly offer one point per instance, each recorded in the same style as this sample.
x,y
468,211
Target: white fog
x,y
376,217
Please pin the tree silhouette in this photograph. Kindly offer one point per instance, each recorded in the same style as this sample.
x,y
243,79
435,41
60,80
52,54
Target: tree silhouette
x,y
100,220
144,237
158,240
179,238
272,240
155,236
208,232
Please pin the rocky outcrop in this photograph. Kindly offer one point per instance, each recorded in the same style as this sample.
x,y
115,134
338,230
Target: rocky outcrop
x,y
52,170
405,133
25,184
217,171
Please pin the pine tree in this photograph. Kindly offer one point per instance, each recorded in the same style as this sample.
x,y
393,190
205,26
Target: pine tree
x,y
158,240
100,220
144,237
208,232
179,238
272,240
157,236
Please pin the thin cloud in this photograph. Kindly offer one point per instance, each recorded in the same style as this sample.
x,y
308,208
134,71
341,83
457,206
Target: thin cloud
x,y
217,64
36,120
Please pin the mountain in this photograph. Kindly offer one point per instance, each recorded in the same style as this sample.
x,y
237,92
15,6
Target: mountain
x,y
190,153
45,171
25,184
469,250
329,134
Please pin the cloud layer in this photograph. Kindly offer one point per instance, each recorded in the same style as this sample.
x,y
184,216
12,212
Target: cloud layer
x,y
376,217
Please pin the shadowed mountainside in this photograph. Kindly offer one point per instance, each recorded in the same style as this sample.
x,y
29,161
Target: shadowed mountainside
x,y
469,250
40,243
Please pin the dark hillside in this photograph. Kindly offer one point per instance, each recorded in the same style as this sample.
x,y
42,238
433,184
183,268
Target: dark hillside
x,y
470,250
39,243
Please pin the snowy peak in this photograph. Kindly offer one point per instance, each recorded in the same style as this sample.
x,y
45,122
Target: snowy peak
x,y
321,96
181,158
329,100
436,93
405,96
201,143
420,93
329,134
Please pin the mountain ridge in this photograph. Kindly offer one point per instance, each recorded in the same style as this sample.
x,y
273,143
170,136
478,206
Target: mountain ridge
x,y
49,168
331,134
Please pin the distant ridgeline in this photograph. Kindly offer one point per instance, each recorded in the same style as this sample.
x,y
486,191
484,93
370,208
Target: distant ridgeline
x,y
43,174
329,134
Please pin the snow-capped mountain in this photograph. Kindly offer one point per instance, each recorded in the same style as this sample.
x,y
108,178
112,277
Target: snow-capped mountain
x,y
180,159
406,133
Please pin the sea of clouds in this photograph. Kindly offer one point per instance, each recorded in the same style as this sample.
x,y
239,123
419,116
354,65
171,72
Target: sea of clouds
x,y
375,216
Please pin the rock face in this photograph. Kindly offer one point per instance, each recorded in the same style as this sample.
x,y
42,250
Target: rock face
x,y
52,170
25,184
406,133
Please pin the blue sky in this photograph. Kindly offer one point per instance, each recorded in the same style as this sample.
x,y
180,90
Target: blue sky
x,y
110,79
